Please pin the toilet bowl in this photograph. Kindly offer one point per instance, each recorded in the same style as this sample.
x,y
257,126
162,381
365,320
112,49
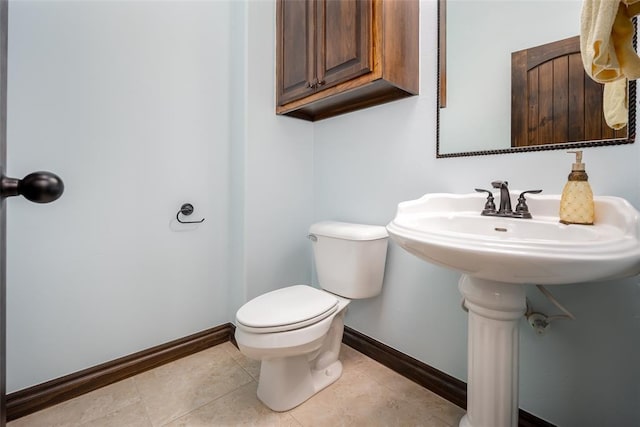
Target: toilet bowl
x,y
297,361
296,332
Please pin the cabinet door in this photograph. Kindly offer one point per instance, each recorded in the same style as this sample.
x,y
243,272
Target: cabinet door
x,y
343,40
295,49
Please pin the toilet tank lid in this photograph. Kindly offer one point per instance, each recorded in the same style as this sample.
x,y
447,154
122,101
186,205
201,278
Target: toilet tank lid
x,y
348,231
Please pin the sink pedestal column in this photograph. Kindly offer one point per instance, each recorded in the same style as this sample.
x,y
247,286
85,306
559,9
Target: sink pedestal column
x,y
495,310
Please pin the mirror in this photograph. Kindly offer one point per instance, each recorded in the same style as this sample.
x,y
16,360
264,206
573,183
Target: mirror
x,y
477,39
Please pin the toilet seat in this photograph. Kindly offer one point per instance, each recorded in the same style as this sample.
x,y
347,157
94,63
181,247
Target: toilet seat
x,y
286,309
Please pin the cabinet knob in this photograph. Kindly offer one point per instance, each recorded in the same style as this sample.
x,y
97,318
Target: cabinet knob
x,y
315,84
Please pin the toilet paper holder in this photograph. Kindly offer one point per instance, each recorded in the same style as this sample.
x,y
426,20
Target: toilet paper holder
x,y
187,209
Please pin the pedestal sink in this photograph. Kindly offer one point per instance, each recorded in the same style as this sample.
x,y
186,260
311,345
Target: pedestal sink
x,y
496,256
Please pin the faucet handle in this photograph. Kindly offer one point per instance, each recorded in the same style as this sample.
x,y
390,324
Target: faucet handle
x,y
521,208
490,206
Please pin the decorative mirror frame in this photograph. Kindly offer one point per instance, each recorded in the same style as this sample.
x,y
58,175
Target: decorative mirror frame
x,y
441,103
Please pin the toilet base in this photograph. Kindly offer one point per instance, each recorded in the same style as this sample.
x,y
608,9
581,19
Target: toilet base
x,y
287,382
296,364
464,422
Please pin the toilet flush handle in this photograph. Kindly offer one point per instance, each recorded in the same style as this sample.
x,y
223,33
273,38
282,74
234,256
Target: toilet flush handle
x,y
312,237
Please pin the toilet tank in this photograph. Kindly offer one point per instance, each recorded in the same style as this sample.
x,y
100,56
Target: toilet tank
x,y
350,258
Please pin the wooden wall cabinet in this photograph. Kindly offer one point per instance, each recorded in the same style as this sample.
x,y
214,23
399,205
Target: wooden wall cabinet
x,y
337,56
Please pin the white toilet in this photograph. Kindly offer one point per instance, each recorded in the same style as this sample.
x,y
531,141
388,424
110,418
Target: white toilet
x,y
296,331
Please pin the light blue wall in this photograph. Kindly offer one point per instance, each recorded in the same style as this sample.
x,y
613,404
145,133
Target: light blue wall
x,y
127,102
583,373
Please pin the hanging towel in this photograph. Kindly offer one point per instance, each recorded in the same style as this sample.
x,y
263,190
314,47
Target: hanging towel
x,y
606,39
606,44
615,104
622,36
598,54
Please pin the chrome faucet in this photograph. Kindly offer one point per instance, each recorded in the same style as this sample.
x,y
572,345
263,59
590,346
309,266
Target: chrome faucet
x,y
504,210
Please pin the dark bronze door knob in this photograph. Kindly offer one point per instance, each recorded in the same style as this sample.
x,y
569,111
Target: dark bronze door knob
x,y
38,187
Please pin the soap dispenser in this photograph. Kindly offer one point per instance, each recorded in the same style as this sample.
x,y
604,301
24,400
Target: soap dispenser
x,y
576,203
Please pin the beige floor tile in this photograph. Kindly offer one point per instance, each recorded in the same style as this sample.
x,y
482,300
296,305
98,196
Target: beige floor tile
x,y
357,400
238,408
228,347
217,387
407,390
352,359
436,405
250,365
89,407
131,416
173,390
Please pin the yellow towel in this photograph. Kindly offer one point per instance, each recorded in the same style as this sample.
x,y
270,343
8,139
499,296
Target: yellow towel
x,y
622,36
606,39
615,105
606,44
596,45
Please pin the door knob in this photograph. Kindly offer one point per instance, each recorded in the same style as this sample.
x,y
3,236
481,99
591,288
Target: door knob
x,y
38,187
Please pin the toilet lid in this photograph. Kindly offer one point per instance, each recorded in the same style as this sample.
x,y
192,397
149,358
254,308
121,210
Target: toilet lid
x,y
286,309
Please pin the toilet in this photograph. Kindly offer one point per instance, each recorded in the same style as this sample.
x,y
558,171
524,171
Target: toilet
x,y
296,331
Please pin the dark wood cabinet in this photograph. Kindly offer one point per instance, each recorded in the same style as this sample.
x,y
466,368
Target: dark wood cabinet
x,y
336,56
295,49
343,48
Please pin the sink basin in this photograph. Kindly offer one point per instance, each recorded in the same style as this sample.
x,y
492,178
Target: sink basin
x,y
448,230
496,256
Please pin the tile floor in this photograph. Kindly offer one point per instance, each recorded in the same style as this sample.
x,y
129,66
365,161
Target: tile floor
x,y
217,387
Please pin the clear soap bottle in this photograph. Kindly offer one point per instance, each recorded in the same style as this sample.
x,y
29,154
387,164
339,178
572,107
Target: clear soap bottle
x,y
576,203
